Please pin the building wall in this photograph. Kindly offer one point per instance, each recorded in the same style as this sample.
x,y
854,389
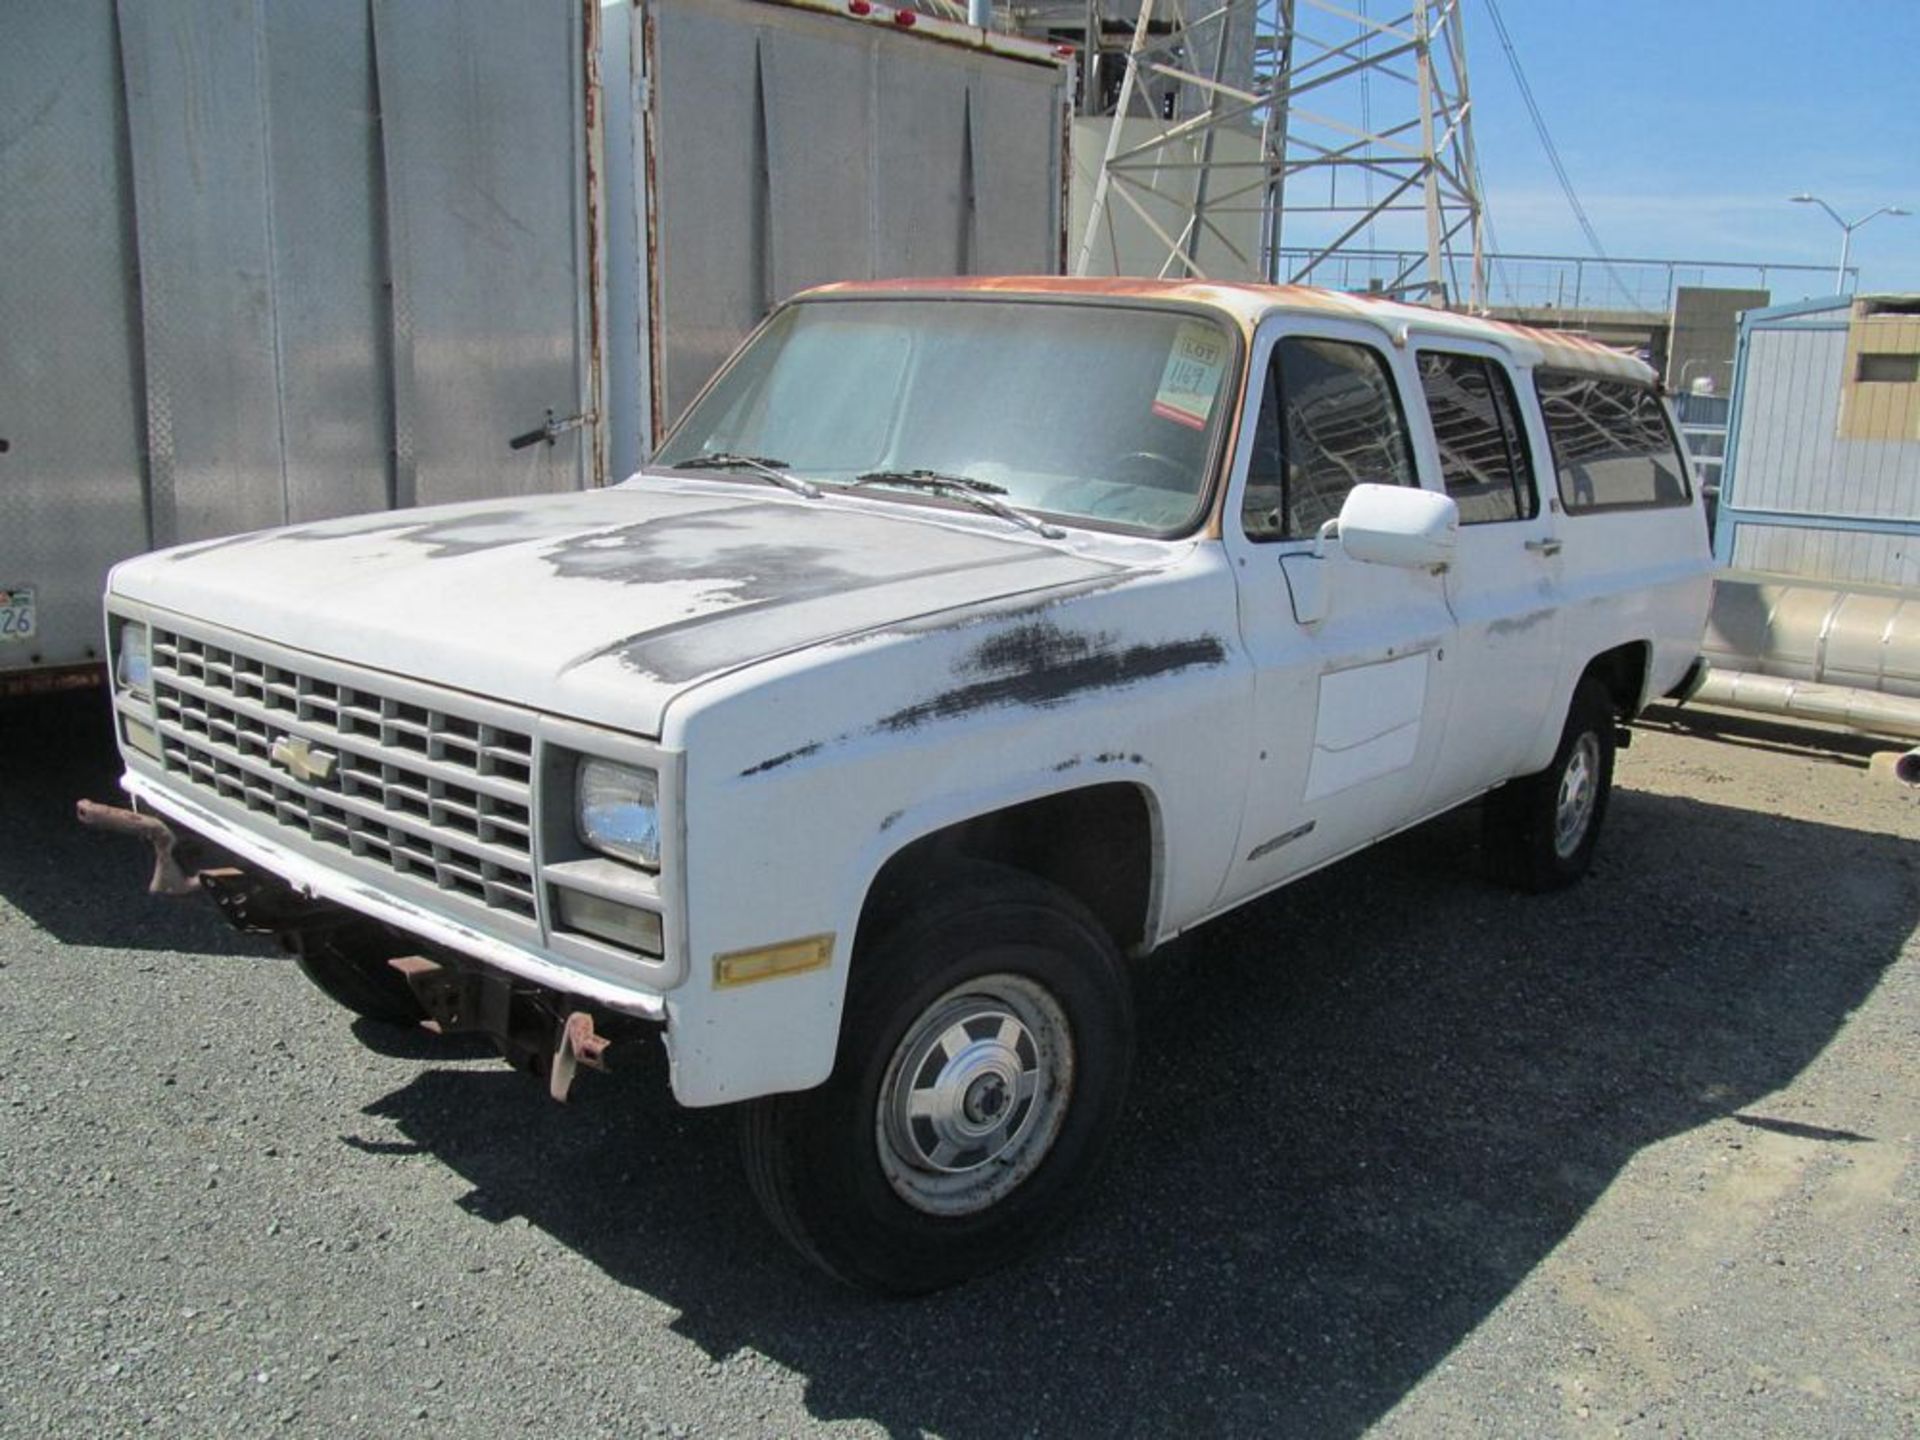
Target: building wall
x,y
1706,328
1880,398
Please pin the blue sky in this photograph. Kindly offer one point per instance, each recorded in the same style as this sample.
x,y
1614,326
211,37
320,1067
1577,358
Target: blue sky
x,y
1686,124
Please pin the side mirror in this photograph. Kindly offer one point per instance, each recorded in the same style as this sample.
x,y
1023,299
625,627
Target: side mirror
x,y
1398,525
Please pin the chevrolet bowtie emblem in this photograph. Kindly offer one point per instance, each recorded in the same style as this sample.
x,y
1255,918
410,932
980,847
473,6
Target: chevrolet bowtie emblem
x,y
301,760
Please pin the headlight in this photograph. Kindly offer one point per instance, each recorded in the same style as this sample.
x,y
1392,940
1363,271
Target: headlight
x,y
133,658
617,811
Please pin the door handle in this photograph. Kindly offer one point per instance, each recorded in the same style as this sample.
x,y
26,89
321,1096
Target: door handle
x,y
1547,545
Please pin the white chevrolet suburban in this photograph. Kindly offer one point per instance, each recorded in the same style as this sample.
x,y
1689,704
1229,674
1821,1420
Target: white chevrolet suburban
x,y
963,639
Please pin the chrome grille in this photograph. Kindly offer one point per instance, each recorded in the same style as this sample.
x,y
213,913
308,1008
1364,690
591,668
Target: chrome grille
x,y
427,792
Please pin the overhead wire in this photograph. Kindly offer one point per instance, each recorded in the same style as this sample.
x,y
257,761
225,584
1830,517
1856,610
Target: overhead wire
x,y
1553,151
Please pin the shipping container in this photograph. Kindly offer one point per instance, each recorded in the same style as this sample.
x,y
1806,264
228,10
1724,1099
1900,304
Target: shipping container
x,y
273,263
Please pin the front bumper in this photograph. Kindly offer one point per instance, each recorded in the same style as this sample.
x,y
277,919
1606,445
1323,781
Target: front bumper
x,y
322,882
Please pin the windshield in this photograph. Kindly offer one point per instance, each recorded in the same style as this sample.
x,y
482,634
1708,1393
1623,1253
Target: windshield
x,y
1097,413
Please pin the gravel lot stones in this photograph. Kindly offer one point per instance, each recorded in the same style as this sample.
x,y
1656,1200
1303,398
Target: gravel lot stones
x,y
1406,1153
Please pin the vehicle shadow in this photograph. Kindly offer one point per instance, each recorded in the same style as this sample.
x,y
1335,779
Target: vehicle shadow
x,y
1773,734
81,886
1364,1110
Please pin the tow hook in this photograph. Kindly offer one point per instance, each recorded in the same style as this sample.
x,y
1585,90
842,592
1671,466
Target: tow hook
x,y
168,876
579,1045
529,1033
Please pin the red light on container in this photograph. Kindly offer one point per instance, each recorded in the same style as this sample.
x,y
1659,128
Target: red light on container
x,y
905,19
859,7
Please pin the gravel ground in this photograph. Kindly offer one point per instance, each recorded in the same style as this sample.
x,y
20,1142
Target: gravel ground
x,y
1407,1154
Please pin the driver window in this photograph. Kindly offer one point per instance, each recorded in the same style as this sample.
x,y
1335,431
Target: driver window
x,y
1330,418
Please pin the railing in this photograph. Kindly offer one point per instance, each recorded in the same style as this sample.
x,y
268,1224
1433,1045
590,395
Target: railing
x,y
1565,282
1703,426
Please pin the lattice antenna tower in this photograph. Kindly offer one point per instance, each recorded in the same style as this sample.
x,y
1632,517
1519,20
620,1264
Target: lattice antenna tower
x,y
1244,125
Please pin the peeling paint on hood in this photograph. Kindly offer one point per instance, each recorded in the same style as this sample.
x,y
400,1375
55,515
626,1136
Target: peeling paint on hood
x,y
601,605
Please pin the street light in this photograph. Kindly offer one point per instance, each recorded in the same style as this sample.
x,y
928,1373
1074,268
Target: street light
x,y
1846,231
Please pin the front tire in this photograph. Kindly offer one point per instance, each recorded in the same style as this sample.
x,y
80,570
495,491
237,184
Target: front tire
x,y
983,1063
1540,830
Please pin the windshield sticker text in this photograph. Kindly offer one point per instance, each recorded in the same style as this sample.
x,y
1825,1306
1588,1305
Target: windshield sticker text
x,y
1192,376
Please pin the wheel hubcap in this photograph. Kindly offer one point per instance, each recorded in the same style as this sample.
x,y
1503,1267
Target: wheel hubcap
x,y
986,1100
974,1095
1579,787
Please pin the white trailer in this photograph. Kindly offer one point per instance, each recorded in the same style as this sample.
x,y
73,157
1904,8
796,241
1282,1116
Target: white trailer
x,y
272,263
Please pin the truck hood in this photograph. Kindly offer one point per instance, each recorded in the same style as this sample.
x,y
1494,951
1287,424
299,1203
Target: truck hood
x,y
601,605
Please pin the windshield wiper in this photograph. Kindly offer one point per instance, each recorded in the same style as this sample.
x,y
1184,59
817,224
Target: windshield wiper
x,y
980,493
762,465
930,480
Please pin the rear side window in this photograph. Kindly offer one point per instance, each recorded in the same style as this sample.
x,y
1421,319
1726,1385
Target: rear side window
x,y
1612,446
1330,419
1483,451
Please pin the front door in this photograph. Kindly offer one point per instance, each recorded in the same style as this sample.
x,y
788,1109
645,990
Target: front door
x,y
1354,668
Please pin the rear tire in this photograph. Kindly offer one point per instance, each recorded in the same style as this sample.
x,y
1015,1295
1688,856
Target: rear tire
x,y
349,964
983,1062
1539,831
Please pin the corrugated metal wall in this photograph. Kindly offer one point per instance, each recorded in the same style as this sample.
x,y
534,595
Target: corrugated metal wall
x,y
793,153
266,261
1791,463
338,208
1791,456
263,262
1839,556
71,414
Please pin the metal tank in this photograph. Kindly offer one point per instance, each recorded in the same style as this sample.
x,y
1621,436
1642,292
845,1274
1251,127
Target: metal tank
x,y
1848,656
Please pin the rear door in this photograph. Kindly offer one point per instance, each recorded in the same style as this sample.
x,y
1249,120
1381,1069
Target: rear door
x,y
1505,585
1353,676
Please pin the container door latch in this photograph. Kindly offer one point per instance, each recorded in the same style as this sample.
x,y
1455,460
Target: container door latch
x,y
553,429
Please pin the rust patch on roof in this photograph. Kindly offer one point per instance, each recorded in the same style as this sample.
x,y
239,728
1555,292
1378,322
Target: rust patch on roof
x,y
1246,304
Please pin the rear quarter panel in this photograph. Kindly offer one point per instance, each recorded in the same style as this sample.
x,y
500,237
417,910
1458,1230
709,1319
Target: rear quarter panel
x,y
1633,577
